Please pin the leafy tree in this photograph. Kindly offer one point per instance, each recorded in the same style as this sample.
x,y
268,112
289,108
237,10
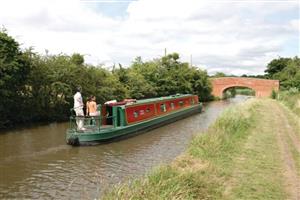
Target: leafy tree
x,y
167,76
219,74
14,69
286,70
201,84
77,59
276,65
290,75
36,87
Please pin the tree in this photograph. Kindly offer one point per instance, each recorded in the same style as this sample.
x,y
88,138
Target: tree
x,y
77,59
276,65
201,84
219,74
14,69
286,70
289,77
35,87
167,76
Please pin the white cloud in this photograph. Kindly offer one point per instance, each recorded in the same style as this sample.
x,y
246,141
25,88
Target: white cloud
x,y
233,37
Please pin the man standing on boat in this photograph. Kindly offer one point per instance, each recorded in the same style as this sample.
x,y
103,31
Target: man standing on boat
x,y
78,108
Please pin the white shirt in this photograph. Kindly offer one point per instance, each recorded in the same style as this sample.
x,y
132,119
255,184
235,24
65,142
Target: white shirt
x,y
78,103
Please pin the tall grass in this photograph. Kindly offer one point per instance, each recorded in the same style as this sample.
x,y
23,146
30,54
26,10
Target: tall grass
x,y
236,158
291,98
222,140
200,173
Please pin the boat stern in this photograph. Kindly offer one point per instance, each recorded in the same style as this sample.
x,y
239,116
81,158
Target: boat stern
x,y
72,138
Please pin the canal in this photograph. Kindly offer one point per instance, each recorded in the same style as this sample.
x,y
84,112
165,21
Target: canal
x,y
35,163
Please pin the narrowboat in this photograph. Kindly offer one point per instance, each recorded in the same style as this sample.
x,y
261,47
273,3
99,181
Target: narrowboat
x,y
130,117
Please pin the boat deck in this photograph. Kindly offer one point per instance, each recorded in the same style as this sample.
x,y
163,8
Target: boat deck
x,y
95,128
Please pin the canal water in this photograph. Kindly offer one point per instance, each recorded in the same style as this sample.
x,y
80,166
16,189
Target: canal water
x,y
36,163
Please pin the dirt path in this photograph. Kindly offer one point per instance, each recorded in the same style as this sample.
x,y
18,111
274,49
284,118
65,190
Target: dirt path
x,y
283,133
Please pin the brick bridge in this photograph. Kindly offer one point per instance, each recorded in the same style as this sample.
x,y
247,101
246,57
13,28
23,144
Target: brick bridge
x,y
262,87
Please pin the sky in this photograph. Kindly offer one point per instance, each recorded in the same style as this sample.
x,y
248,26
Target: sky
x,y
235,37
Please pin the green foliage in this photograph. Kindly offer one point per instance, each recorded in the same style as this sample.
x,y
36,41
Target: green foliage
x,y
276,65
286,70
14,69
245,91
229,93
274,94
162,77
36,87
77,59
254,76
291,98
220,74
293,91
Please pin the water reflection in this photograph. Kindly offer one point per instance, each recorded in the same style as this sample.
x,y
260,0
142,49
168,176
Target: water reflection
x,y
36,162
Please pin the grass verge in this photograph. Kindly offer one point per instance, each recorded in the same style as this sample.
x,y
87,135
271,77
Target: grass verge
x,y
237,158
291,100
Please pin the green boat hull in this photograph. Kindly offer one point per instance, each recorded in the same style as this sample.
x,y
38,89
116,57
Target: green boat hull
x,y
75,138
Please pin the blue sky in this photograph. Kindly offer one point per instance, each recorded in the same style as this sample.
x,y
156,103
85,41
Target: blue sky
x,y
114,9
235,37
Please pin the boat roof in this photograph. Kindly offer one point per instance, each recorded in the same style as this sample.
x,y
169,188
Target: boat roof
x,y
176,96
149,100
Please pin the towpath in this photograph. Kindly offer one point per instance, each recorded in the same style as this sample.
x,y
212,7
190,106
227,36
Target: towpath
x,y
272,151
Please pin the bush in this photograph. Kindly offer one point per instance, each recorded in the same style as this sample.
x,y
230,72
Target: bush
x,y
274,94
293,90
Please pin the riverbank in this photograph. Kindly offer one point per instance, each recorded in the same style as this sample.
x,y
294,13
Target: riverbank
x,y
251,152
291,99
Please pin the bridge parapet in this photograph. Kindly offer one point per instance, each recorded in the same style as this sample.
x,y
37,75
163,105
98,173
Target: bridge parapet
x,y
262,87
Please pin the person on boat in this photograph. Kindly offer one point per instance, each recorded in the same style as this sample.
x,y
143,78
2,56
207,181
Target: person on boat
x,y
93,107
78,108
87,112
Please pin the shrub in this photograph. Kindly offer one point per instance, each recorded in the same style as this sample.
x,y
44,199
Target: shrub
x,y
274,94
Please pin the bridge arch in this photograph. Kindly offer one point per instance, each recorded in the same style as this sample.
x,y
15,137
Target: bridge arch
x,y
262,87
253,92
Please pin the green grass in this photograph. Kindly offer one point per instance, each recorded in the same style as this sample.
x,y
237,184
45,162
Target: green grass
x,y
294,120
295,154
167,182
291,100
257,171
236,158
246,157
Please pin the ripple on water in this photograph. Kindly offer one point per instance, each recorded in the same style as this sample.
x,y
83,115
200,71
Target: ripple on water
x,y
55,170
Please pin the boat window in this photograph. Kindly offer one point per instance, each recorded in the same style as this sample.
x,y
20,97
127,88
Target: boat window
x,y
181,103
147,110
163,107
136,114
172,105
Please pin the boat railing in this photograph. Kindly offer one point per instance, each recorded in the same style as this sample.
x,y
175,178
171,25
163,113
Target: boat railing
x,y
91,122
